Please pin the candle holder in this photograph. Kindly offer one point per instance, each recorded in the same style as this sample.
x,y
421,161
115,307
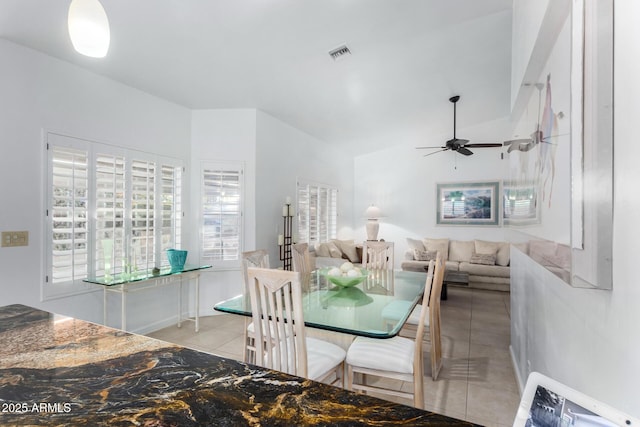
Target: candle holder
x,y
286,240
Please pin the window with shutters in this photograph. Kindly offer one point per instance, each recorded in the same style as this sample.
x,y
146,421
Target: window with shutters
x,y
317,207
222,203
108,209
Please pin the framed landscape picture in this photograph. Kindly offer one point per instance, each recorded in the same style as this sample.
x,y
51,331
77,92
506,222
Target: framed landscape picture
x,y
468,203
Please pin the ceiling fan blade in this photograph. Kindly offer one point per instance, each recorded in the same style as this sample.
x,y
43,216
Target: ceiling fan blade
x,y
458,141
421,148
464,151
484,145
439,151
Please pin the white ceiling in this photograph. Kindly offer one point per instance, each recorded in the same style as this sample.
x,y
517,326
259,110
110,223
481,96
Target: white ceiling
x,y
409,57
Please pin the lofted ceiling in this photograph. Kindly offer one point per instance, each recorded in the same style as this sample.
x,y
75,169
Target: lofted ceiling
x,y
408,57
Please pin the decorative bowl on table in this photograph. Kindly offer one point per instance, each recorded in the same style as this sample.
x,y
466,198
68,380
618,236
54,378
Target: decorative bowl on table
x,y
344,280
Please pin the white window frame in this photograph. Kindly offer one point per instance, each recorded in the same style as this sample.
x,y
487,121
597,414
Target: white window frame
x,y
304,228
221,264
50,290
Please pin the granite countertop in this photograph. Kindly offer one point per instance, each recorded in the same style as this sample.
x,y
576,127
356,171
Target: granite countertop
x,y
56,370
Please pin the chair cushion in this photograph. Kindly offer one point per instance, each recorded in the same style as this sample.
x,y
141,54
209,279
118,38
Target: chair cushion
x,y
393,354
322,356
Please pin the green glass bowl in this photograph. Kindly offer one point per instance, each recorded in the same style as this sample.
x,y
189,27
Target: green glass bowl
x,y
344,281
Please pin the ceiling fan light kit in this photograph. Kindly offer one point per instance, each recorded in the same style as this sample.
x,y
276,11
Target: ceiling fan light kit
x,y
457,144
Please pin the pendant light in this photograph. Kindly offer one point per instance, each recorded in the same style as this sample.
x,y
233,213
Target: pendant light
x,y
89,28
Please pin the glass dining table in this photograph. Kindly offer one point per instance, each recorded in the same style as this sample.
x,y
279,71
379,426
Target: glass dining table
x,y
355,310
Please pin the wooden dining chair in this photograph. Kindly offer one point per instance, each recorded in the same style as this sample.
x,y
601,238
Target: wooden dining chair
x,y
301,258
377,255
276,304
397,358
432,323
257,258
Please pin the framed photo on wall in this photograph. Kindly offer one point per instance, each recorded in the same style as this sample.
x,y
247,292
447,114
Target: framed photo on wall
x,y
468,203
520,205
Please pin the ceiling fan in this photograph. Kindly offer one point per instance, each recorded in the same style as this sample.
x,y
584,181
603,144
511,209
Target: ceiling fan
x,y
457,144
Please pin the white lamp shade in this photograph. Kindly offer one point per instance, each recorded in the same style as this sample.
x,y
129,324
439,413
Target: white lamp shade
x,y
373,212
89,28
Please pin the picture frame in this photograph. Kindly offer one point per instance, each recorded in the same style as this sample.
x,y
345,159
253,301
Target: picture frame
x,y
520,204
468,203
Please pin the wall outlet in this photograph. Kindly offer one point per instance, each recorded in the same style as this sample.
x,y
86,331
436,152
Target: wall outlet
x,y
15,238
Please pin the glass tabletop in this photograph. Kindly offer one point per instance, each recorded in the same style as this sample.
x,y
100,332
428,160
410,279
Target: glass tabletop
x,y
120,279
355,310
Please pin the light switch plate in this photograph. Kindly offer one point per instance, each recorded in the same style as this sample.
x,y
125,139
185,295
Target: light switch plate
x,y
15,238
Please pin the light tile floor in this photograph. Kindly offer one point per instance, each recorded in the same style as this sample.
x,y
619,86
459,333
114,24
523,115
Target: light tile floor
x,y
477,381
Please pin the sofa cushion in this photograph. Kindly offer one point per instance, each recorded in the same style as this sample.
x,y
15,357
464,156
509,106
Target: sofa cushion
x,y
483,259
413,265
460,250
500,249
414,244
485,270
419,255
440,245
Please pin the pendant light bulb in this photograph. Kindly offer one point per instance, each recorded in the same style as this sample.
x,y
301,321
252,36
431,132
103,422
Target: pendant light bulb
x,y
89,28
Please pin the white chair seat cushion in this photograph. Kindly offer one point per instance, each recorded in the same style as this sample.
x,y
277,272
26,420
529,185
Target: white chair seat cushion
x,y
393,354
322,356
395,309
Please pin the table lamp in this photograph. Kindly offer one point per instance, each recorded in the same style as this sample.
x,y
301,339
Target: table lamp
x,y
372,213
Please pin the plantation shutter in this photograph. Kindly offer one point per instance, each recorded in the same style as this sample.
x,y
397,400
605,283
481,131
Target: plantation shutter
x,y
110,213
221,214
142,246
69,208
171,210
317,212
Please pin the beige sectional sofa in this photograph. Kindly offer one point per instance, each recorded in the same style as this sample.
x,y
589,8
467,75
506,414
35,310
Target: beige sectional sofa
x,y
486,262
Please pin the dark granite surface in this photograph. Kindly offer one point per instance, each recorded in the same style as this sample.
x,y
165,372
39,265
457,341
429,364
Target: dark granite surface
x,y
61,371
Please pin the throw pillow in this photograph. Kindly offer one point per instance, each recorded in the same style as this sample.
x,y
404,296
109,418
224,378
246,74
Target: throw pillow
x,y
419,255
438,245
484,259
334,251
348,249
322,250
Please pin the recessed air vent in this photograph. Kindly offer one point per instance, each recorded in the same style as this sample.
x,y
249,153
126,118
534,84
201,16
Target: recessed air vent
x,y
339,52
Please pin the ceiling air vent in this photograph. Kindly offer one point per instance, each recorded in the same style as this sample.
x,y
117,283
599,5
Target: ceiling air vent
x,y
339,52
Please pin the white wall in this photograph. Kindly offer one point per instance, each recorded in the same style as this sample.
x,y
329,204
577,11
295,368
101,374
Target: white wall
x,y
223,135
589,339
402,183
42,93
285,154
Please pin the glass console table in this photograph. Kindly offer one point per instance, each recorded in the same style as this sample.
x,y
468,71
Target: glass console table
x,y
148,280
356,310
